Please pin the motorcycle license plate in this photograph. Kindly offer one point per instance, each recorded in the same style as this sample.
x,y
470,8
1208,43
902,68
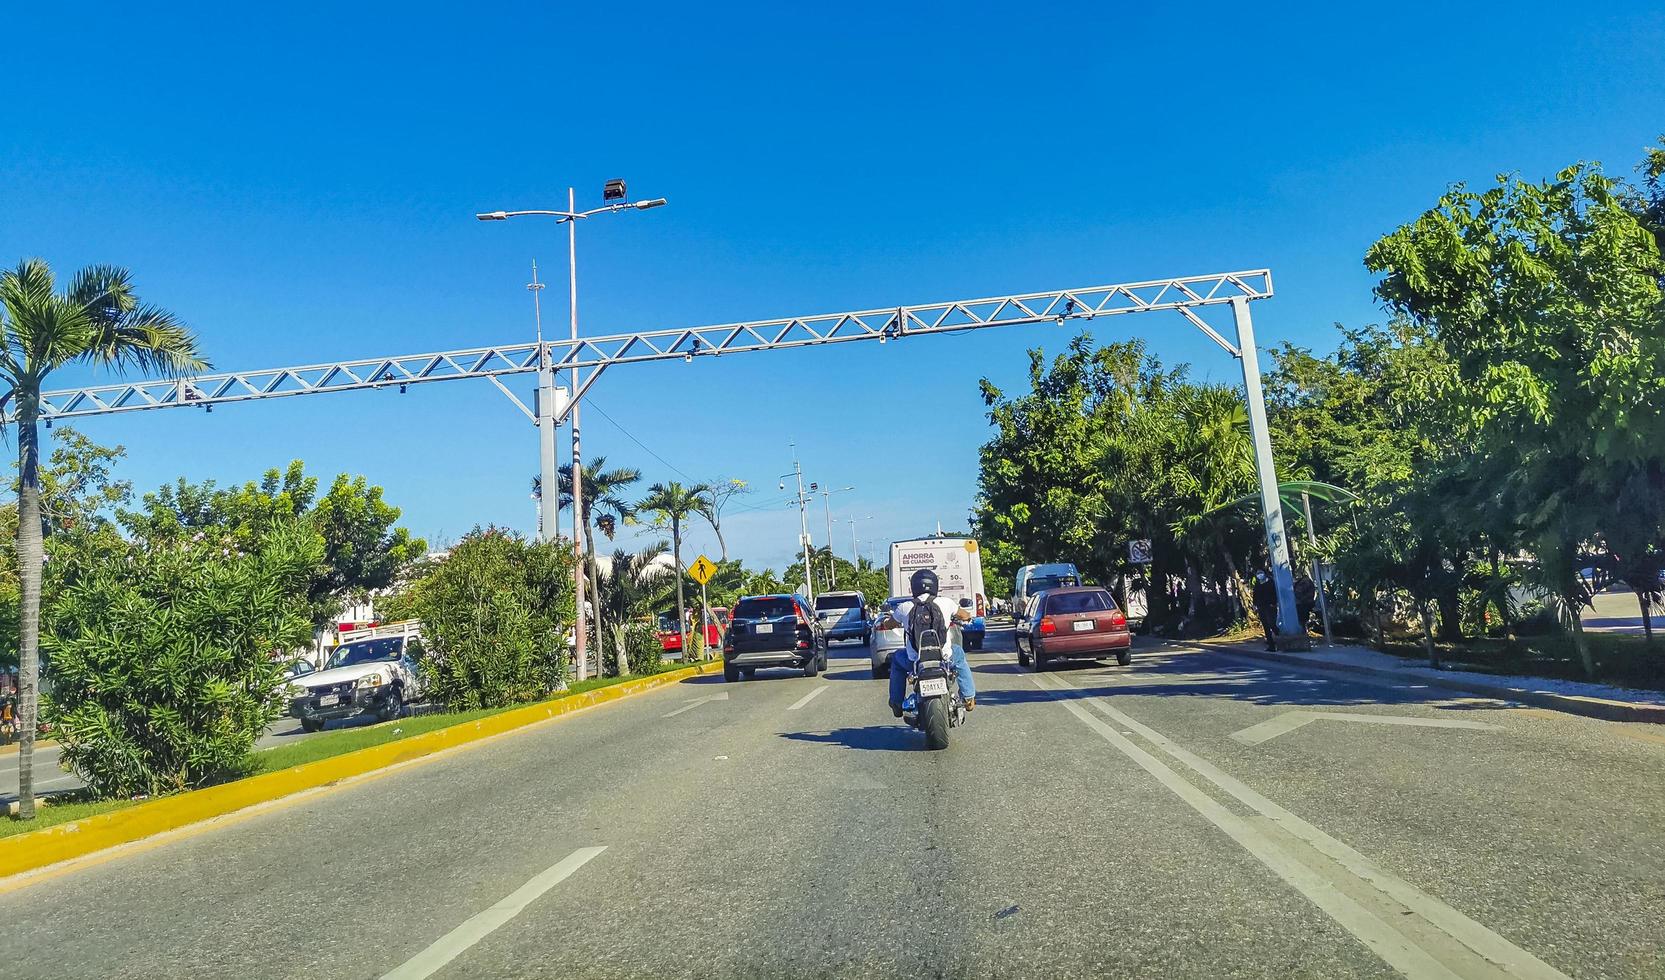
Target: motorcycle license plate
x,y
933,687
765,627
1083,626
328,700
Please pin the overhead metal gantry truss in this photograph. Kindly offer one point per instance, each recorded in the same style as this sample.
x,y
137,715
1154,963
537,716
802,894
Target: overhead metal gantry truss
x,y
1184,295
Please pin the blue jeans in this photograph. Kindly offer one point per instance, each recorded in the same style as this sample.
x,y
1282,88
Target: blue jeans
x,y
902,660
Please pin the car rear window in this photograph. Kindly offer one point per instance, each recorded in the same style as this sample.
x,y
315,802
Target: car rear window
x,y
768,607
1041,583
837,602
1079,602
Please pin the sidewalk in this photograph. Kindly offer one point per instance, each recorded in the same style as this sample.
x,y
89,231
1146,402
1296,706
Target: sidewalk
x,y
1575,697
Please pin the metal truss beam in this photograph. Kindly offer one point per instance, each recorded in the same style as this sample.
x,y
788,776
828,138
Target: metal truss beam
x,y
1184,295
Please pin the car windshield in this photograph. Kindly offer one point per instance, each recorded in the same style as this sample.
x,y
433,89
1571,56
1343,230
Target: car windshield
x,y
765,607
666,623
367,651
1041,583
837,602
1079,602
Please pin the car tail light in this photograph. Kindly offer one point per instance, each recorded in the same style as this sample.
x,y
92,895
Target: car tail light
x,y
1117,619
1048,627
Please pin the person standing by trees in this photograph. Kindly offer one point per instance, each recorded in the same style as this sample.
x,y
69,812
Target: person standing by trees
x,y
1266,607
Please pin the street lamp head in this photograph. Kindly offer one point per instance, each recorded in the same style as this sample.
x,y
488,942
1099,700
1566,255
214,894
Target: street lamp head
x,y
657,202
493,216
782,485
613,191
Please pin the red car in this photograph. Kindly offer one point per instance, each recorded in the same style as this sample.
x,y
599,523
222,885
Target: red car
x,y
671,638
1074,623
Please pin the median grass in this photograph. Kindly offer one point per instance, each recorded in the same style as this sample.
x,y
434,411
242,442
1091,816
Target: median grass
x,y
66,807
1626,660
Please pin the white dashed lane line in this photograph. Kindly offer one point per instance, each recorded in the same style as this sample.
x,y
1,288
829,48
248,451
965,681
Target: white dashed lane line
x,y
806,698
454,943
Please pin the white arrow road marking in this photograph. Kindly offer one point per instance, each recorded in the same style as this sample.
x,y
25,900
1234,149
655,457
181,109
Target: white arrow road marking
x,y
451,945
806,698
1289,721
691,705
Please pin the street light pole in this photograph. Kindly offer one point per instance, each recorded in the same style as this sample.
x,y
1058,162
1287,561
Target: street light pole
x,y
548,411
580,646
855,545
832,565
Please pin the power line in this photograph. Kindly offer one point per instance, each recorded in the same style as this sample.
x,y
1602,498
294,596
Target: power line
x,y
591,404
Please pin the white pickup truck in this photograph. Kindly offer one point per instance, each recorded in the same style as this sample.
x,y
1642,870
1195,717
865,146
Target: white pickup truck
x,y
370,675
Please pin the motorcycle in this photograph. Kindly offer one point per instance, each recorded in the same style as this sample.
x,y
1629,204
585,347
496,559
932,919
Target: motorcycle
x,y
934,703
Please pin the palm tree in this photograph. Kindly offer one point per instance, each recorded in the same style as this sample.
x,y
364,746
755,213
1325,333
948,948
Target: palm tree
x,y
674,502
96,320
631,587
605,508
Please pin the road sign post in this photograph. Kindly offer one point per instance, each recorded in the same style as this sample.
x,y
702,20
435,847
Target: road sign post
x,y
701,571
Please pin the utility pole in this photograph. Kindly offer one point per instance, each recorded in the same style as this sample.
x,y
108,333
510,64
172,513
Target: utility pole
x,y
803,519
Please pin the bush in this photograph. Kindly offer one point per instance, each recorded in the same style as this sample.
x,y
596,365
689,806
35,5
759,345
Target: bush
x,y
495,615
164,655
641,643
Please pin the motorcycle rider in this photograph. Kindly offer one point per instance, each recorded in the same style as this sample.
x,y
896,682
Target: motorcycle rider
x,y
923,587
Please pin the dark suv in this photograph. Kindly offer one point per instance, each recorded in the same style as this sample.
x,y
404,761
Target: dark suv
x,y
773,631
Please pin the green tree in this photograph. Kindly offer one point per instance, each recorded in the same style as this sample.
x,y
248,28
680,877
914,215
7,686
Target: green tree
x,y
167,654
1547,298
78,493
97,320
634,585
364,549
718,496
605,508
673,503
495,617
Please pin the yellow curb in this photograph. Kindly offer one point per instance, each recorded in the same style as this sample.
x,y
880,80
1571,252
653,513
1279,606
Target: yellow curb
x,y
39,848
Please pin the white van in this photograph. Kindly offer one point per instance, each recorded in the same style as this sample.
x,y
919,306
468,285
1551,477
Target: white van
x,y
1038,578
957,562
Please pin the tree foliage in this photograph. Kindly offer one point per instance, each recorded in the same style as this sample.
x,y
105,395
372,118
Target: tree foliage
x,y
364,549
496,614
166,654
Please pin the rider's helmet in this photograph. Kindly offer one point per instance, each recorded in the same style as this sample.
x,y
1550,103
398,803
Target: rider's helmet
x,y
923,583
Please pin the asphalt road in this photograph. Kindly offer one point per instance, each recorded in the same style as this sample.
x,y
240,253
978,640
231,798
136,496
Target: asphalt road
x,y
1172,818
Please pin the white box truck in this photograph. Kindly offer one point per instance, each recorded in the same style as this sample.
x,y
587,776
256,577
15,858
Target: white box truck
x,y
957,562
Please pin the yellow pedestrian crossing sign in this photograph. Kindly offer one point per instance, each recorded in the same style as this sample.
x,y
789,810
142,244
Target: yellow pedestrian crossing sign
x,y
702,569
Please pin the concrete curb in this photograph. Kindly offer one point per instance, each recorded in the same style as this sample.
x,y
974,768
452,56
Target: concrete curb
x,y
64,842
1569,703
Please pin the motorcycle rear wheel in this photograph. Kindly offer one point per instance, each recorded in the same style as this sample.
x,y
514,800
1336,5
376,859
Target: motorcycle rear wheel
x,y
933,721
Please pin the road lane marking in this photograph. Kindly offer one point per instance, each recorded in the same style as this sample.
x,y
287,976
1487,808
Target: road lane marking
x,y
1399,952
451,945
806,698
691,705
1291,720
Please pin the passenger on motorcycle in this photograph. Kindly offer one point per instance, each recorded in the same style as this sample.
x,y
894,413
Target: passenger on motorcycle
x,y
923,588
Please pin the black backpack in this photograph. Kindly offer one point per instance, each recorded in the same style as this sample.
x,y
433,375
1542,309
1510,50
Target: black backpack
x,y
926,616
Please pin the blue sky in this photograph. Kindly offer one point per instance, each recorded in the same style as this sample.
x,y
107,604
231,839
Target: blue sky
x,y
300,184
